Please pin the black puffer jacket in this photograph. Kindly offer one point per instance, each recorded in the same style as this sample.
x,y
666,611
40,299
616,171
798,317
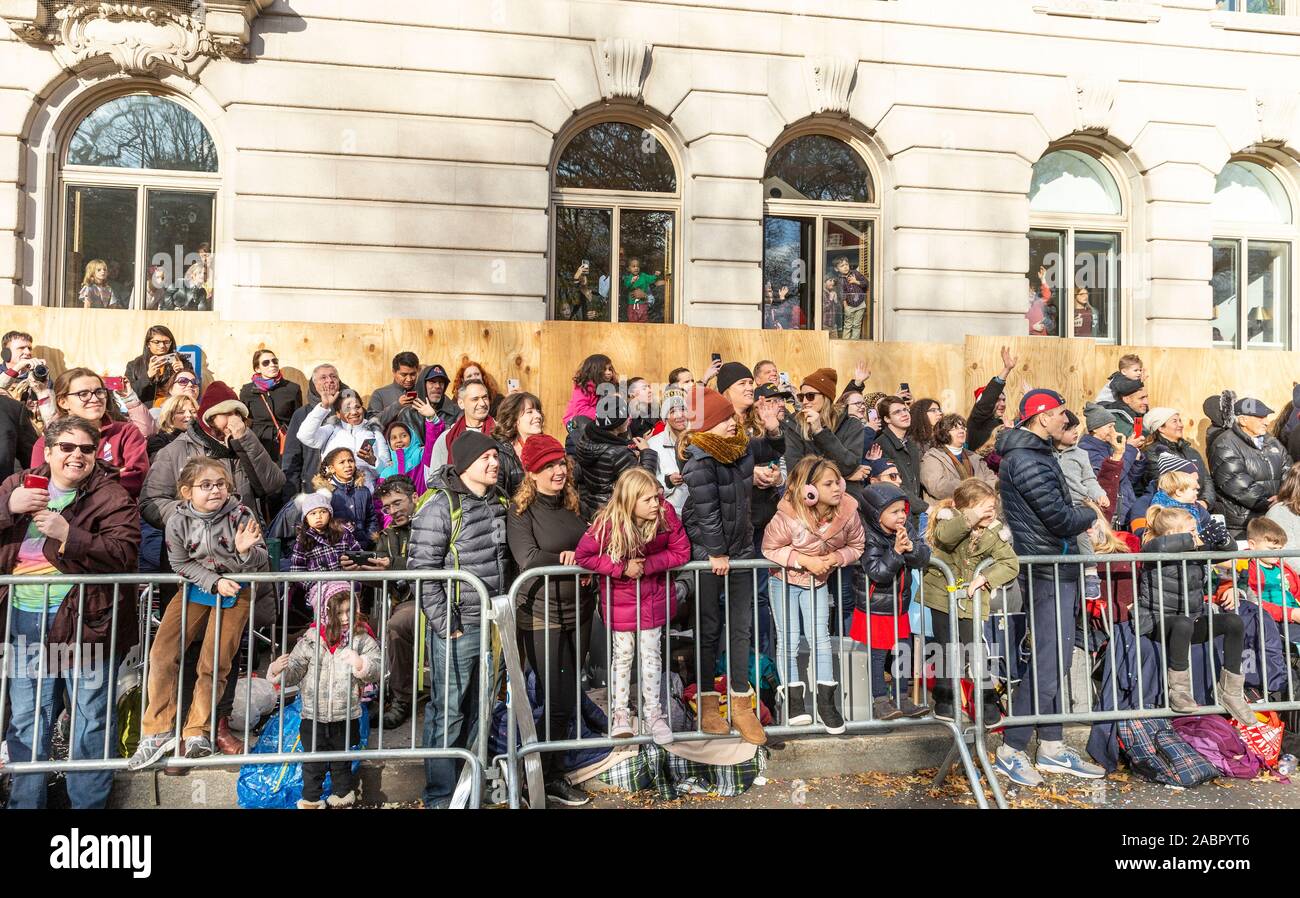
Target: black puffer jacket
x,y
907,456
301,462
843,446
510,470
1246,477
717,515
1183,449
1036,501
1213,409
889,573
600,457
1163,583
281,401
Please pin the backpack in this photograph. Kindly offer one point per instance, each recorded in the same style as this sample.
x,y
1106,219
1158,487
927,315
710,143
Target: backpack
x,y
1157,753
1219,742
453,504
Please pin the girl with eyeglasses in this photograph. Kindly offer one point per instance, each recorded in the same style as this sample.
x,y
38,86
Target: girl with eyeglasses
x,y
271,400
80,392
149,372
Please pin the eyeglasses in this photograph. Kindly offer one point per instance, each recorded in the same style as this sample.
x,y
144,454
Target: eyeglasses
x,y
160,341
807,397
212,486
390,507
861,403
69,448
84,396
270,361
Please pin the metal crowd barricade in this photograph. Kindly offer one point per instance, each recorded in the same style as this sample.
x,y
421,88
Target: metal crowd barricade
x,y
543,739
1102,625
144,589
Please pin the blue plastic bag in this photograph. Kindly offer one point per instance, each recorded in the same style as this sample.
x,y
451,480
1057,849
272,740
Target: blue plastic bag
x,y
280,785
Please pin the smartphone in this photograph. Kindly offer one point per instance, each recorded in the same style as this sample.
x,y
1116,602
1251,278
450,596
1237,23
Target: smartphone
x,y
1218,517
512,384
717,357
368,445
873,418
411,394
785,378
115,384
586,263
904,387
35,482
360,557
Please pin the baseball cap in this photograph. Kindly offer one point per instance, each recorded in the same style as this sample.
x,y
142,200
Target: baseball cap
x,y
1251,407
437,372
1035,402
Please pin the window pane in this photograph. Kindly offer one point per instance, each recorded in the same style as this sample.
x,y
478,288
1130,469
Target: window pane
x,y
1226,277
142,131
1267,293
1070,181
179,235
616,156
818,167
1095,299
788,264
1046,270
846,282
1264,7
99,261
582,252
1245,191
645,250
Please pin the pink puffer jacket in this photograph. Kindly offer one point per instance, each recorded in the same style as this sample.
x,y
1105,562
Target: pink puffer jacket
x,y
669,549
786,534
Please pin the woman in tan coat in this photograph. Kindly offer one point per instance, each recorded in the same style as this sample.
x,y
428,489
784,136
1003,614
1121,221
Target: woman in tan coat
x,y
948,462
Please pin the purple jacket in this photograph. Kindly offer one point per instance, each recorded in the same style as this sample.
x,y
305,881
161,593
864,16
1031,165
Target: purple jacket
x,y
669,549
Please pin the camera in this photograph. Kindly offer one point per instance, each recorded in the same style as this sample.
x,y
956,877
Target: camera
x,y
41,372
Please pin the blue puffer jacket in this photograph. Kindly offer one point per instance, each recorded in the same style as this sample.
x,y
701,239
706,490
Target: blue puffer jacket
x,y
1130,479
355,503
1036,501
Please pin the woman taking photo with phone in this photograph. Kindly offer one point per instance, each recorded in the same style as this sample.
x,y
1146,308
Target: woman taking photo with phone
x,y
271,402
324,430
148,372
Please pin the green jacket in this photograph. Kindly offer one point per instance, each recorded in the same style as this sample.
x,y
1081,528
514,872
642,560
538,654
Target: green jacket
x,y
952,544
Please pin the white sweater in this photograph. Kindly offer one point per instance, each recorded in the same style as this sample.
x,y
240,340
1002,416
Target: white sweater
x,y
327,435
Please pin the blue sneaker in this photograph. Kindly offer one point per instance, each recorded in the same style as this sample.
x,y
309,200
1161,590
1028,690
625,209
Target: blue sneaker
x,y
1017,768
1069,761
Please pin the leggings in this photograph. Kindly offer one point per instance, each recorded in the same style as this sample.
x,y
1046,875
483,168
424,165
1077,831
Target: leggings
x,y
1181,631
558,682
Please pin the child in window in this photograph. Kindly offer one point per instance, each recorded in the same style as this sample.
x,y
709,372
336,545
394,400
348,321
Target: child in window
x,y
332,661
637,286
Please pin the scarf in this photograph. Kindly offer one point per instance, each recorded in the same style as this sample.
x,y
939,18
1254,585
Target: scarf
x,y
405,460
727,450
1163,499
962,460
460,427
214,447
265,384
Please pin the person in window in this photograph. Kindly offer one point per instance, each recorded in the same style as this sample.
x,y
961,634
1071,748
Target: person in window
x,y
853,288
832,308
637,287
1042,308
149,372
1083,319
581,297
95,292
783,312
155,289
199,275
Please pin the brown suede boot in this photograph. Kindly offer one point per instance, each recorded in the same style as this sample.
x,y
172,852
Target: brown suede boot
x,y
743,719
711,720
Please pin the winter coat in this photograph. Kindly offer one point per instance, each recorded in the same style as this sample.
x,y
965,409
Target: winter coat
x,y
122,446
392,543
536,539
717,516
1171,577
1245,477
271,411
954,543
907,456
1080,478
354,503
316,553
254,474
1036,502
1183,449
1213,534
201,546
666,550
787,534
601,456
510,470
331,690
1117,590
842,446
300,462
1212,408
137,375
767,451
582,403
17,435
326,431
160,441
103,538
940,474
660,458
1132,469
1289,521
983,420
480,549
889,573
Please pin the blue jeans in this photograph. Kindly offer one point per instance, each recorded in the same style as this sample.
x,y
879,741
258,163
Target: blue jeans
x,y
762,626
94,715
454,693
814,610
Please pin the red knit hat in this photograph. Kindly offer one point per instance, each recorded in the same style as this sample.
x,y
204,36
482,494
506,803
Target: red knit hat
x,y
711,410
219,399
540,450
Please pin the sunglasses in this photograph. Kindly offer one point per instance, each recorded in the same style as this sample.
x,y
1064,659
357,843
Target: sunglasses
x,y
806,397
270,361
69,448
186,381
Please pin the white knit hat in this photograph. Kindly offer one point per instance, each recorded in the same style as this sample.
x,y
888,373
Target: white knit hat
x,y
309,502
1156,418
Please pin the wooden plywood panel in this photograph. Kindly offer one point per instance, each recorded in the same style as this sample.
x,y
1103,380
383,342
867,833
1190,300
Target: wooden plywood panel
x,y
1060,365
508,349
932,370
798,353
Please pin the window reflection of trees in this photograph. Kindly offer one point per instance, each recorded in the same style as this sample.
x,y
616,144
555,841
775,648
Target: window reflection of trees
x,y
143,132
818,167
616,156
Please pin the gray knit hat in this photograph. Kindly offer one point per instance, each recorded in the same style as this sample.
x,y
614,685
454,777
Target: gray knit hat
x,y
1097,416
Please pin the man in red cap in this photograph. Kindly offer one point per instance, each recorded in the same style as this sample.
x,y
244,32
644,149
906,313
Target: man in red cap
x,y
1043,521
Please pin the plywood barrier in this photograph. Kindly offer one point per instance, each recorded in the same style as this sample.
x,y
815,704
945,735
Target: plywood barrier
x,y
544,355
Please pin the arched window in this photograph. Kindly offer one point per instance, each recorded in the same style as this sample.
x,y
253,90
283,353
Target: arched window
x,y
1253,226
820,221
139,183
614,208
1076,237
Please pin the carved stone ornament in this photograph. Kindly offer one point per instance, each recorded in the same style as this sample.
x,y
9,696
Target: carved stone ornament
x,y
1275,109
1094,97
135,38
831,80
623,64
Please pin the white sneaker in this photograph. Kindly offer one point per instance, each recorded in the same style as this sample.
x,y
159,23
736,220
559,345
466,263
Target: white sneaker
x,y
151,750
621,727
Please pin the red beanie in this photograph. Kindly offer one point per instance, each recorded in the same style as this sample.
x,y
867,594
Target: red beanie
x,y
540,450
219,399
712,410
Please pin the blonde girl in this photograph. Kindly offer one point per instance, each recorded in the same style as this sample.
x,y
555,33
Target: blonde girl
x,y
95,292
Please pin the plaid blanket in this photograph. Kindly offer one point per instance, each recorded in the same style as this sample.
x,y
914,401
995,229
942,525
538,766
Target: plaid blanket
x,y
670,776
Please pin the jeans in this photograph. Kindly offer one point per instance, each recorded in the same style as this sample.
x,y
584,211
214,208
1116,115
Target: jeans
x,y
94,718
763,626
1055,610
850,582
899,669
453,693
813,608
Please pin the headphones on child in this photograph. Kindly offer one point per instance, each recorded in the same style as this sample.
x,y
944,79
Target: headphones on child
x,y
811,496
